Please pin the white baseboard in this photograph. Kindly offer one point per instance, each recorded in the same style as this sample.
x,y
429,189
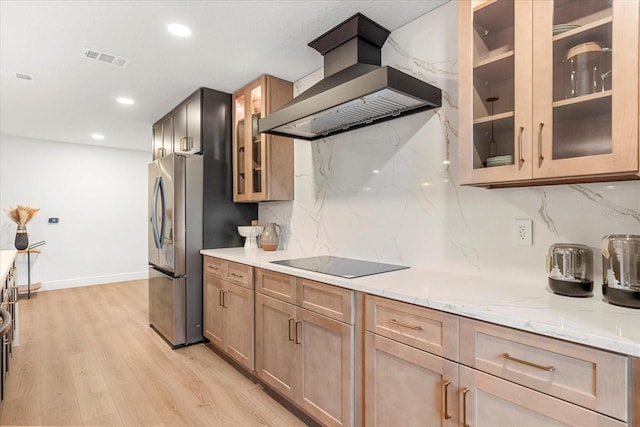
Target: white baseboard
x,y
95,280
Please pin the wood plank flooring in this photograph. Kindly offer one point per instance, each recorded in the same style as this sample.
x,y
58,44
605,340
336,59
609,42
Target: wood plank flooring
x,y
87,356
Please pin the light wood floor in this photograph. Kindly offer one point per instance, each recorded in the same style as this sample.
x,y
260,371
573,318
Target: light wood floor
x,y
87,356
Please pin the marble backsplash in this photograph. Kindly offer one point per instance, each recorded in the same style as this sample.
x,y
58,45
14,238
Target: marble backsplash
x,y
389,192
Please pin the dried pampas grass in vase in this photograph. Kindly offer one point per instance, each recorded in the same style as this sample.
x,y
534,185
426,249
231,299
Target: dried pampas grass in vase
x,y
21,215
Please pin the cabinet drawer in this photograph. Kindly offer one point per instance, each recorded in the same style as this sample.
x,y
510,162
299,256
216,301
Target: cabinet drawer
x,y
331,301
214,266
419,327
588,377
240,274
276,285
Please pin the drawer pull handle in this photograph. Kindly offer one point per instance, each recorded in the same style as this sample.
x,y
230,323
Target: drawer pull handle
x,y
464,407
211,267
521,159
299,322
540,155
291,323
524,362
445,386
239,276
405,325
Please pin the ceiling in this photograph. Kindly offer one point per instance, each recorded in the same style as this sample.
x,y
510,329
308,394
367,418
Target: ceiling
x,y
232,42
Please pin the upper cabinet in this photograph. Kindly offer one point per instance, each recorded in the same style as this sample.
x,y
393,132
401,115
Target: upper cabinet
x,y
262,164
163,137
548,91
187,125
180,130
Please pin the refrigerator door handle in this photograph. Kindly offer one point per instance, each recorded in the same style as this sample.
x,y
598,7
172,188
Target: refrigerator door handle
x,y
158,189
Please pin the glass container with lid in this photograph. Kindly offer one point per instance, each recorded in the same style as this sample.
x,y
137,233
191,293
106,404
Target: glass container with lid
x,y
570,268
621,269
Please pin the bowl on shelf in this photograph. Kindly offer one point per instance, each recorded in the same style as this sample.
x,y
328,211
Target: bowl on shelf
x,y
251,234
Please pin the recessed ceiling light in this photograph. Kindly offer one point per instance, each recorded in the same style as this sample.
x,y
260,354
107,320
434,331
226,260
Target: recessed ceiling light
x,y
179,30
97,136
125,101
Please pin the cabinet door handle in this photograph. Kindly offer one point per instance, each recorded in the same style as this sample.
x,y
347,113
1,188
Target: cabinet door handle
x,y
291,323
520,157
464,407
405,325
549,368
445,387
299,322
189,143
540,156
220,291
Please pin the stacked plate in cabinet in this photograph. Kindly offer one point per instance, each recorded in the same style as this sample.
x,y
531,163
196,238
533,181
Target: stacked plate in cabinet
x,y
561,28
500,160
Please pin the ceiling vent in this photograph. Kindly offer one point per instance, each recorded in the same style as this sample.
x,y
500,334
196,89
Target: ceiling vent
x,y
106,58
25,76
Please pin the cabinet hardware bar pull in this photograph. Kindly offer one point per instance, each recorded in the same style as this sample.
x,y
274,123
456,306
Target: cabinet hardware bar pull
x,y
220,301
524,362
239,276
299,322
406,325
464,407
446,399
291,322
520,145
540,156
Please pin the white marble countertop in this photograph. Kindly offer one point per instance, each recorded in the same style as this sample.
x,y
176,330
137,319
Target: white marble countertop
x,y
588,321
6,261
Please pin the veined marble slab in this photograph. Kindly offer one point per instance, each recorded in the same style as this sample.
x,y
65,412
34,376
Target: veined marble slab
x,y
532,308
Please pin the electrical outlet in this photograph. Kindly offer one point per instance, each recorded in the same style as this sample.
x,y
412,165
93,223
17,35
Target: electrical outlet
x,y
522,233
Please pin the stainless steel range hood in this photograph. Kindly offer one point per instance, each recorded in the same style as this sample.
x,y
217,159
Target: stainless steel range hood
x,y
356,91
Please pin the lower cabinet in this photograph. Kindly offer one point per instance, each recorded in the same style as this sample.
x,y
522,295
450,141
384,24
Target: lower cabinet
x,y
405,386
414,366
489,401
229,316
306,356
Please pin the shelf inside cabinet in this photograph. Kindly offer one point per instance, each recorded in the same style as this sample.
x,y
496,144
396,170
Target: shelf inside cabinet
x,y
496,118
580,12
595,104
487,15
597,25
497,68
493,30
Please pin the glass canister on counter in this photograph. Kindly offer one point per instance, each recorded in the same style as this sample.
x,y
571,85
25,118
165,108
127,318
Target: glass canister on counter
x,y
270,238
621,269
570,268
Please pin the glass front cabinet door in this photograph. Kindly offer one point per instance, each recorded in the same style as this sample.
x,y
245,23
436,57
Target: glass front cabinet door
x,y
548,91
263,164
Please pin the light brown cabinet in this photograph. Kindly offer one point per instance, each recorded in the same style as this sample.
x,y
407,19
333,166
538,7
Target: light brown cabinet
x,y
408,380
488,401
228,308
262,164
548,92
405,386
305,344
593,379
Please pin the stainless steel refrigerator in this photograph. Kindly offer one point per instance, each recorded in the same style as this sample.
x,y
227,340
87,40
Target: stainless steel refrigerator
x,y
175,240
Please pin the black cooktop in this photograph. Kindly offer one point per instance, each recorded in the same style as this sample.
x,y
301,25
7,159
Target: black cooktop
x,y
341,267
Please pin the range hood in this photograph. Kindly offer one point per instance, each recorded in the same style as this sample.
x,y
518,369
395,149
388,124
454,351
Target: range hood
x,y
356,91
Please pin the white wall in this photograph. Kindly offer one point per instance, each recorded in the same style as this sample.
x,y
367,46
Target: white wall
x,y
100,196
383,192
